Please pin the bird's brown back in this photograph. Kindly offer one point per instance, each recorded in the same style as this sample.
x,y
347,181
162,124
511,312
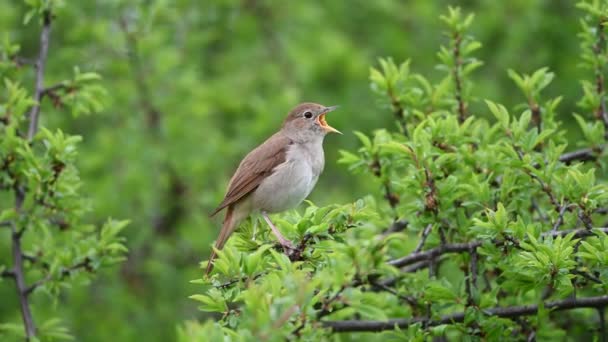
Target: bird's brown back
x,y
254,168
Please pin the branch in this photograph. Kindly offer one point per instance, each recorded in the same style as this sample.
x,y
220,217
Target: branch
x,y
462,106
599,49
28,320
40,65
425,235
466,247
434,253
7,274
85,264
458,317
602,327
585,154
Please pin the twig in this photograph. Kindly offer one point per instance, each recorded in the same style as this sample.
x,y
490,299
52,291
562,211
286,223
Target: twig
x,y
473,266
546,188
602,328
599,49
7,274
26,313
433,253
466,247
411,300
40,65
86,264
560,218
587,275
504,312
398,110
462,107
585,154
425,234
396,226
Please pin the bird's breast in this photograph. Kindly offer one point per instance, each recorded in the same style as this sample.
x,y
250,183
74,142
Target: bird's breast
x,y
292,181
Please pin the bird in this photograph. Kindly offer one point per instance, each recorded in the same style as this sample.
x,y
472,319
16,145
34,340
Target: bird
x,y
278,174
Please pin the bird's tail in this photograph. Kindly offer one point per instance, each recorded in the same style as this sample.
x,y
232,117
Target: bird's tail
x,y
228,227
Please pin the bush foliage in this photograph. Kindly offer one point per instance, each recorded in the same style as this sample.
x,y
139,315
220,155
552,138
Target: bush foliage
x,y
482,189
482,228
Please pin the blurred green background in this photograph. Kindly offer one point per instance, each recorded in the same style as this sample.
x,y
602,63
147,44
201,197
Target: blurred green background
x,y
191,86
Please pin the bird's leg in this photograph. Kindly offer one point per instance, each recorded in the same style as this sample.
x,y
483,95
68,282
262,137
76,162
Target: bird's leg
x,y
287,245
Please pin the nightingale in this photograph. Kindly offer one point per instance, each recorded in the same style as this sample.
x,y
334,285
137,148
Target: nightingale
x,y
277,175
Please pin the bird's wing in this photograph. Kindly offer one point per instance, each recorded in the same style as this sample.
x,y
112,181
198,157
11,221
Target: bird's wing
x,y
255,167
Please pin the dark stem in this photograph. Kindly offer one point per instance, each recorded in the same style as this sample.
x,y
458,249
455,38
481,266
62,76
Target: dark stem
x,y
602,328
585,154
7,274
40,66
536,114
458,317
425,234
18,269
433,253
462,107
600,47
26,314
560,217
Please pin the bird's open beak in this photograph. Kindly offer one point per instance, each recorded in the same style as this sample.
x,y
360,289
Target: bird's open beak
x,y
323,123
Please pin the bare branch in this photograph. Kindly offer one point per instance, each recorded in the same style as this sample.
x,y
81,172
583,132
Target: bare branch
x,y
504,312
85,264
40,65
560,218
462,106
433,253
599,49
425,234
585,154
602,328
28,320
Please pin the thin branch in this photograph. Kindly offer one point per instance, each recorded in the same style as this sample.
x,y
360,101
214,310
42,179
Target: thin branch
x,y
504,312
560,217
473,266
588,276
462,106
425,235
40,65
85,264
26,313
466,247
585,154
602,328
396,226
7,274
411,300
434,253
599,49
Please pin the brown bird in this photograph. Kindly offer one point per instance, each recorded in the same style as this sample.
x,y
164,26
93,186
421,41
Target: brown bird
x,y
277,175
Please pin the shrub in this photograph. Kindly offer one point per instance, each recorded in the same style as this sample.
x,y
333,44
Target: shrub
x,y
483,226
42,210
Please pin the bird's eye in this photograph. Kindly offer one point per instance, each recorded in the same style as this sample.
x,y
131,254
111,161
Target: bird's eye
x,y
308,115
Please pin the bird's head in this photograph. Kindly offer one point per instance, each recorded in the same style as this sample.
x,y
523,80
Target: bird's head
x,y
307,120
